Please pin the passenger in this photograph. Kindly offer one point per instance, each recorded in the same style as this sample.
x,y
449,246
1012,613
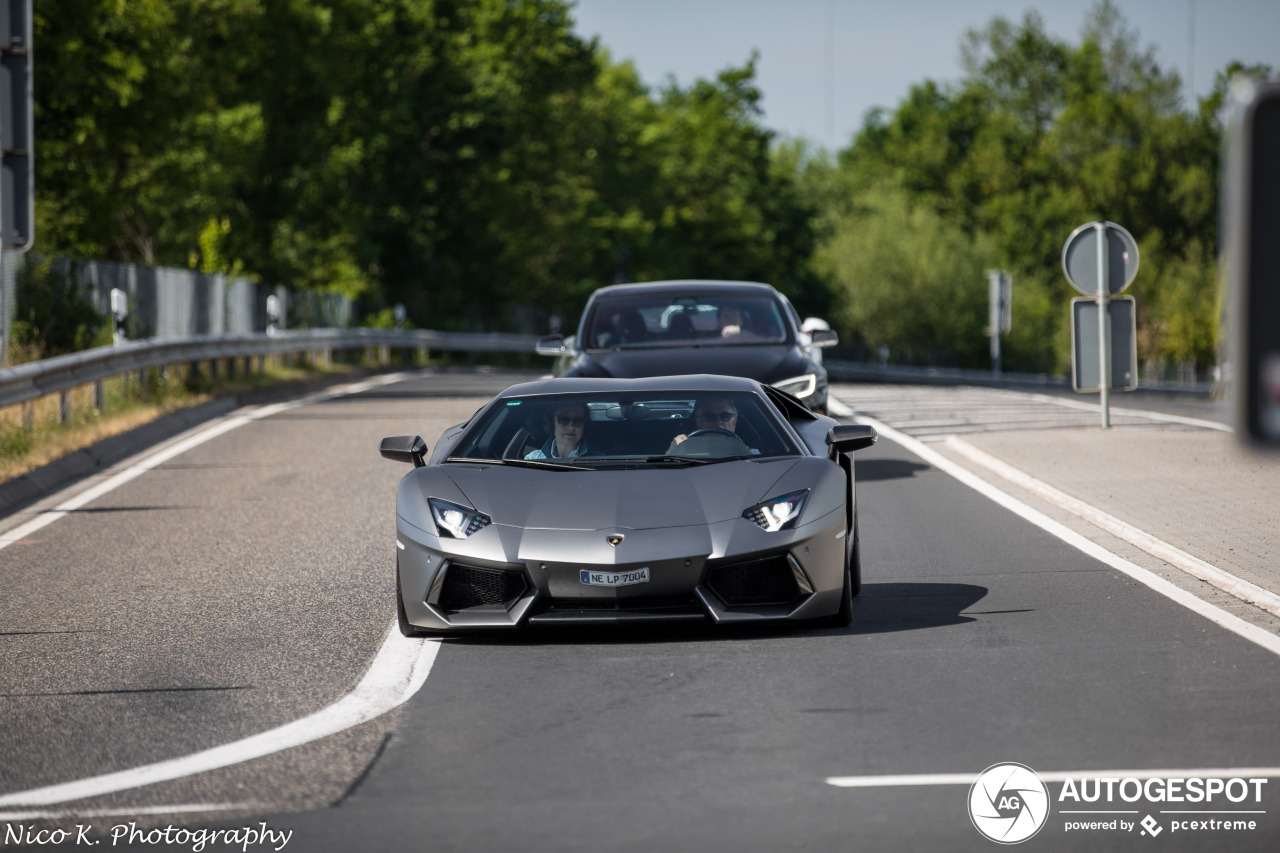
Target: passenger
x,y
568,428
712,413
731,320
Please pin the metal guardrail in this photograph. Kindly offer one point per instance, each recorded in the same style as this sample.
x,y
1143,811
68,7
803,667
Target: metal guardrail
x,y
61,373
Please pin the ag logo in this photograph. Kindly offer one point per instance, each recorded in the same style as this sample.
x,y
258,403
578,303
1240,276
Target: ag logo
x,y
1008,803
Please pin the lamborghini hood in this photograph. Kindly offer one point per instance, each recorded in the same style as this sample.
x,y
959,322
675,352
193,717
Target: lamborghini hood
x,y
637,500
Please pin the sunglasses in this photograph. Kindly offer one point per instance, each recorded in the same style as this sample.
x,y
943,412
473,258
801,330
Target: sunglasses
x,y
566,421
722,417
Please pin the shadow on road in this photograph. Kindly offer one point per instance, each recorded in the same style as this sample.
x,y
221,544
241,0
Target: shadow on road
x,y
885,607
869,470
881,608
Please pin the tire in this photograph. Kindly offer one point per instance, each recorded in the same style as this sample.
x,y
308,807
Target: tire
x,y
402,618
852,581
855,567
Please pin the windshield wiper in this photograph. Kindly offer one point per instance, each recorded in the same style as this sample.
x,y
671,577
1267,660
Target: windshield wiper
x,y
633,461
521,463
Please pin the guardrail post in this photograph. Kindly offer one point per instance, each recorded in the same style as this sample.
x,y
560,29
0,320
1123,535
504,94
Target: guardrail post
x,y
231,368
29,416
64,408
99,396
213,370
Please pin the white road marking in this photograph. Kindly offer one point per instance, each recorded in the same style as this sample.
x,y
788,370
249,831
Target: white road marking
x,y
177,808
974,409
835,407
1232,623
1055,776
1194,566
159,458
398,671
1140,413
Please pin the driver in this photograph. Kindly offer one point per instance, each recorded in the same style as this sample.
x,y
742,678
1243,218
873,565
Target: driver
x,y
568,427
711,413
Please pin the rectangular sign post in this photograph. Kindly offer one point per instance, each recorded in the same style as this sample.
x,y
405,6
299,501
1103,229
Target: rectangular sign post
x,y
17,170
1086,373
999,316
1100,259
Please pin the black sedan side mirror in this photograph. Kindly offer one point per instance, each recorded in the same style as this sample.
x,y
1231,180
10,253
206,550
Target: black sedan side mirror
x,y
822,338
405,448
846,438
552,345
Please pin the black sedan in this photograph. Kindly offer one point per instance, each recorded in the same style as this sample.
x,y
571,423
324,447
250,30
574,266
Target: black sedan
x,y
589,501
681,327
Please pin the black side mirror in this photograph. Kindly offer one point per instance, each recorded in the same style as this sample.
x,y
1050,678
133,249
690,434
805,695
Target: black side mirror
x,y
846,438
824,338
405,448
552,345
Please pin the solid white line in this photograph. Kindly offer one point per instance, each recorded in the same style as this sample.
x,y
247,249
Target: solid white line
x,y
180,808
1140,413
1192,565
837,408
1054,776
1232,623
160,457
397,672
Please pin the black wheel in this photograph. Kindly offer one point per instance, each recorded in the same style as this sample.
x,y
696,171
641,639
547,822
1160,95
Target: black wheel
x,y
844,616
855,566
852,580
402,619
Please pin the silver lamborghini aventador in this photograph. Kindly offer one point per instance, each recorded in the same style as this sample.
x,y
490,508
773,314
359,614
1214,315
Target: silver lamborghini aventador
x,y
575,501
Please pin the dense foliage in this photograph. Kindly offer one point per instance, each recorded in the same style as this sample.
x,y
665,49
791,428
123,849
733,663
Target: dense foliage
x,y
1039,137
469,158
481,163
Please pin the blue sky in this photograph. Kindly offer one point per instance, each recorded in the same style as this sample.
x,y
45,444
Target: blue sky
x,y
824,63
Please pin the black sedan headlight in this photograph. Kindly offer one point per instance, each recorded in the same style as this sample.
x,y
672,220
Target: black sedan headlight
x,y
780,513
799,386
456,522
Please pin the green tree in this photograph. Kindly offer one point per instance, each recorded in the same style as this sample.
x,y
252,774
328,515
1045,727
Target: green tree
x,y
1037,138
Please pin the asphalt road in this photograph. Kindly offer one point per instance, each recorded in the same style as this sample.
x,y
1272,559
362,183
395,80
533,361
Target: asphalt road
x,y
248,582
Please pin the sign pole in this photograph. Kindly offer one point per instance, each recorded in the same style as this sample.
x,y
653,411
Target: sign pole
x,y
993,317
1104,333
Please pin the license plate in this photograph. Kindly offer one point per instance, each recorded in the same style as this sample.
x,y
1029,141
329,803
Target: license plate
x,y
614,578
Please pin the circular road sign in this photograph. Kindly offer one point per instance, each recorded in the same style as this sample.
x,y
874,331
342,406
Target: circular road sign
x,y
1080,258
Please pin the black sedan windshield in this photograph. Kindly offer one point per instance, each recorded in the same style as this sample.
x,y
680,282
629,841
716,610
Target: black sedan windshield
x,y
702,319
660,429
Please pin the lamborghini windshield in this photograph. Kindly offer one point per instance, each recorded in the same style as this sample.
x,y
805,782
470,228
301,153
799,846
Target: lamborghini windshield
x,y
662,429
695,319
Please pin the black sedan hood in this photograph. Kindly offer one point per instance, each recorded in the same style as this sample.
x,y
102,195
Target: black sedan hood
x,y
763,363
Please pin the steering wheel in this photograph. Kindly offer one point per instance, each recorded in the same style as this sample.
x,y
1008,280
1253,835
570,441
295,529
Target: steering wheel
x,y
711,431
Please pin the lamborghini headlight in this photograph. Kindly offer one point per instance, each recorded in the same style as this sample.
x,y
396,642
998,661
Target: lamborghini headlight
x,y
456,522
798,386
780,513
